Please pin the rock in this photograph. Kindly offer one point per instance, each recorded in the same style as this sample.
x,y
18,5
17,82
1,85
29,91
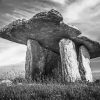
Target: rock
x,y
47,32
52,16
84,64
70,70
42,34
6,82
40,61
93,47
35,60
52,63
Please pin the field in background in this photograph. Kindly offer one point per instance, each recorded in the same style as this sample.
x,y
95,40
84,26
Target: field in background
x,y
12,71
18,70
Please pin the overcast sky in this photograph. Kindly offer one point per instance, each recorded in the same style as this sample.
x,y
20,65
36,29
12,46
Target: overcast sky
x,y
85,14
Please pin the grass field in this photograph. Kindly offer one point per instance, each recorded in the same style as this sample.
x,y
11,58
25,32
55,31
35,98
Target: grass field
x,y
37,91
20,89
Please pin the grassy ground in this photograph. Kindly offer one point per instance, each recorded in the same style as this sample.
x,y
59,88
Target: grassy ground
x,y
49,90
52,91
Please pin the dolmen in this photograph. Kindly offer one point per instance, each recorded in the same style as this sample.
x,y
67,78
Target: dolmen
x,y
54,49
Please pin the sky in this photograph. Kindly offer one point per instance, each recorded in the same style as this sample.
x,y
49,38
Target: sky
x,y
84,14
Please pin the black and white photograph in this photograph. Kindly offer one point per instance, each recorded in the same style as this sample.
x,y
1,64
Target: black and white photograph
x,y
49,49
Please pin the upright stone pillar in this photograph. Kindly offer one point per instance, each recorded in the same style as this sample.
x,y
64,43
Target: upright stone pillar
x,y
35,60
70,69
84,64
41,62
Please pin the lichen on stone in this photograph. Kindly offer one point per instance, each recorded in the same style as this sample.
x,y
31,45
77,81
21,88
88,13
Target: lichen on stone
x,y
13,25
52,16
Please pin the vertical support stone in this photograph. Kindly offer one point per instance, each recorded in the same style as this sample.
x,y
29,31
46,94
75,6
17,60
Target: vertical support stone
x,y
41,62
84,64
35,60
70,69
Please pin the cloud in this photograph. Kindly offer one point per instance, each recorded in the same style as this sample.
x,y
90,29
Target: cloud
x,y
14,9
59,1
13,55
73,11
84,14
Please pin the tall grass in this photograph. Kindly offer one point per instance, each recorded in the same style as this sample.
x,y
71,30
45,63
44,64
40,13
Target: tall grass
x,y
34,91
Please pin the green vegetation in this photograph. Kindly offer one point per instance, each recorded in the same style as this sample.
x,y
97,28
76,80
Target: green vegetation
x,y
37,91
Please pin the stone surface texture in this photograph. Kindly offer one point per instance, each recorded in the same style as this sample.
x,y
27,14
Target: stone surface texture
x,y
35,60
40,62
42,34
84,60
70,70
48,29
